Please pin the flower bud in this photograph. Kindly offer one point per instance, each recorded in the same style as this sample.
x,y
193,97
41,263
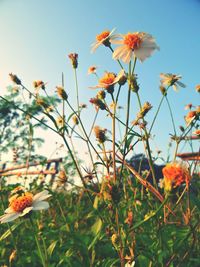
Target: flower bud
x,y
100,134
74,60
132,81
163,90
61,92
15,79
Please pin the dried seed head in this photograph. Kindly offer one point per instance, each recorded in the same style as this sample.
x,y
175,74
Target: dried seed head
x,y
15,79
100,134
61,92
74,60
98,103
39,84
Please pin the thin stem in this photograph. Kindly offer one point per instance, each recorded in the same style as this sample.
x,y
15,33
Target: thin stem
x,y
77,94
117,59
171,114
148,147
38,244
159,106
113,138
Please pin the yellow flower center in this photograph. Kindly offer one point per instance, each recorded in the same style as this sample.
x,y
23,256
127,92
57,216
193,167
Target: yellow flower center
x,y
20,203
107,79
102,36
132,40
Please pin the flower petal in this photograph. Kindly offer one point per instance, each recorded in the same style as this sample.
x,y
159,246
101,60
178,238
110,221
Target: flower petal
x,y
26,211
9,210
9,217
40,205
41,196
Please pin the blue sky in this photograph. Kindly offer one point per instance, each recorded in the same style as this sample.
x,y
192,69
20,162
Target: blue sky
x,y
37,36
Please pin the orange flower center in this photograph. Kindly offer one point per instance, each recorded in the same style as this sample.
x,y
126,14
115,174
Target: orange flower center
x,y
107,79
132,40
20,203
102,36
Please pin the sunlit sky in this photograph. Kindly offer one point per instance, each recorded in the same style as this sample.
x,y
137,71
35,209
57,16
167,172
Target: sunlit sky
x,y
37,36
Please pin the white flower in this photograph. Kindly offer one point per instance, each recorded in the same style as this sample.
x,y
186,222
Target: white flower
x,y
109,79
21,205
104,38
137,44
168,79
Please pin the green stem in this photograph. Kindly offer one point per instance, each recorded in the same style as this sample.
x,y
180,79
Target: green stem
x,y
171,114
117,59
38,245
77,94
148,147
113,138
159,106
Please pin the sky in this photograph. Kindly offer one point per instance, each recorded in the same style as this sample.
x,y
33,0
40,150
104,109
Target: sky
x,y
37,36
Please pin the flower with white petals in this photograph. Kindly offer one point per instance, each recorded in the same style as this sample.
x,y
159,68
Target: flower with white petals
x,y
21,204
168,79
137,44
109,80
104,38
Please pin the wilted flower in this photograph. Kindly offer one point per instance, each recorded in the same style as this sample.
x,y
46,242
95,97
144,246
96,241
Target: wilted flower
x,y
61,92
104,38
39,84
168,79
15,79
100,134
145,109
137,44
98,103
175,173
74,60
197,88
92,70
22,204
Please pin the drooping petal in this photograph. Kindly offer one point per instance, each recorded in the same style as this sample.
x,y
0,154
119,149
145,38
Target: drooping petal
x,y
9,210
9,217
41,196
26,211
40,205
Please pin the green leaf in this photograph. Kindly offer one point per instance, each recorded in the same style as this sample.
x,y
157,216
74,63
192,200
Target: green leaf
x,y
96,201
52,247
9,231
97,226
